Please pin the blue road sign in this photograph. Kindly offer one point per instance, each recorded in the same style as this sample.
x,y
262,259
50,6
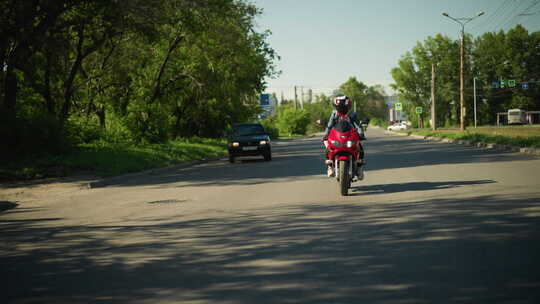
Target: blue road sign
x,y
525,85
265,99
495,85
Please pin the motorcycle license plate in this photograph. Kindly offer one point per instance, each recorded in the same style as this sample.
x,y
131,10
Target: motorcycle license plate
x,y
249,148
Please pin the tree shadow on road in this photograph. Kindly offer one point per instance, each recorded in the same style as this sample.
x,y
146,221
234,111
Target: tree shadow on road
x,y
414,186
481,250
5,205
295,160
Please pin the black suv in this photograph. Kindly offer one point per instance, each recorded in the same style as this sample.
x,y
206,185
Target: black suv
x,y
249,139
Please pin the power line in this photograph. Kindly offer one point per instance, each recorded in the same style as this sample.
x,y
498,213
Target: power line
x,y
531,6
489,17
510,17
525,11
528,15
492,19
507,14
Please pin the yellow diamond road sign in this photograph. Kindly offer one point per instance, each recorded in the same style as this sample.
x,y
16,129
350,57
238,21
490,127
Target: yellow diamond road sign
x,y
398,106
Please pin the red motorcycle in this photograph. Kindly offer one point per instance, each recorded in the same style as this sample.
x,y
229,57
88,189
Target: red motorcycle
x,y
343,153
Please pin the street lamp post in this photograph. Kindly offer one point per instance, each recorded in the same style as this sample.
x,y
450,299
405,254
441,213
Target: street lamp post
x,y
462,22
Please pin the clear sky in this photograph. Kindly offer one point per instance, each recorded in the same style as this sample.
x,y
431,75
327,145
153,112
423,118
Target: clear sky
x,y
324,42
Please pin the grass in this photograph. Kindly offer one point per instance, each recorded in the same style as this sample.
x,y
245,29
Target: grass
x,y
107,159
521,136
289,137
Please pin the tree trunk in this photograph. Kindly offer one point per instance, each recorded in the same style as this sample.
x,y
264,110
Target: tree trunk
x,y
157,86
10,93
101,115
49,102
69,83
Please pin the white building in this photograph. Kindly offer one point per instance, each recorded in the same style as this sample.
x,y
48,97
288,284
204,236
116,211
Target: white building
x,y
394,115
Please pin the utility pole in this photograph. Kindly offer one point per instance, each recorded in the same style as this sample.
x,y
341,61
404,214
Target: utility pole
x,y
462,22
433,114
474,88
295,97
461,82
302,99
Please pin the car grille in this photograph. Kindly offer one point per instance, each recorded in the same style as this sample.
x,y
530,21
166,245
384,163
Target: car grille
x,y
251,143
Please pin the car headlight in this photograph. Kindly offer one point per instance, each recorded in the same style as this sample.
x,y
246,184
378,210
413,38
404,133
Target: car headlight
x,y
235,144
263,142
350,143
336,143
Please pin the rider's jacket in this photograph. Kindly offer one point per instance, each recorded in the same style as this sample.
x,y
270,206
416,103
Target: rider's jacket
x,y
334,117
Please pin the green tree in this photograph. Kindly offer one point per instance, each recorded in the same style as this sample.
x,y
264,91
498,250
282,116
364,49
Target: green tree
x,y
368,101
155,69
292,120
356,91
412,78
490,58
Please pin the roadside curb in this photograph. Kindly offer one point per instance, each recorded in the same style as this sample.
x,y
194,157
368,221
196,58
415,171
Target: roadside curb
x,y
111,180
469,143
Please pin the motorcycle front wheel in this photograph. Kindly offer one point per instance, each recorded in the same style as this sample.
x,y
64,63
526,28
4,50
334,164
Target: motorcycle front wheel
x,y
344,178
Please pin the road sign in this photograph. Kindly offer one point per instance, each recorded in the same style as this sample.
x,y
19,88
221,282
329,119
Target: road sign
x,y
525,85
264,99
503,84
398,106
419,110
511,83
495,85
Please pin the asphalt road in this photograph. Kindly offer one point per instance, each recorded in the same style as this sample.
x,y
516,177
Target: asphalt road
x,y
431,223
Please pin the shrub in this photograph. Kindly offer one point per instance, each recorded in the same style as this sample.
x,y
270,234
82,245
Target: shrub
x,y
31,134
292,121
269,125
83,130
378,122
148,123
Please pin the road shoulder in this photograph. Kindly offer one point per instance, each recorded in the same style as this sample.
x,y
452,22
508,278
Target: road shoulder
x,y
469,143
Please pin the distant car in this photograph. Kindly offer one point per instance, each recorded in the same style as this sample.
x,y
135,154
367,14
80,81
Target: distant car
x,y
398,126
249,139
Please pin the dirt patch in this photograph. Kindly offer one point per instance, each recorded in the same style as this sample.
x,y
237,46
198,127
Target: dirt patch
x,y
31,190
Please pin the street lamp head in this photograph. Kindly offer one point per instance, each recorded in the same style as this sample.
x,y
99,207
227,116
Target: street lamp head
x,y
480,14
445,14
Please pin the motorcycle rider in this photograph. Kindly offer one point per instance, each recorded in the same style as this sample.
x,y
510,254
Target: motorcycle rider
x,y
342,110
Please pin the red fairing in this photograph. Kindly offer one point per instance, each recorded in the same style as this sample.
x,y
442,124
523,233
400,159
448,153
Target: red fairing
x,y
337,145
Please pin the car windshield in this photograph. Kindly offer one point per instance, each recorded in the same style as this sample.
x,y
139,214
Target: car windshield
x,y
243,130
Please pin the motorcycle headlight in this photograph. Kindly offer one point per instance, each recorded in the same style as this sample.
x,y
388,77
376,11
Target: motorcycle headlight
x,y
235,144
349,143
263,142
336,143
